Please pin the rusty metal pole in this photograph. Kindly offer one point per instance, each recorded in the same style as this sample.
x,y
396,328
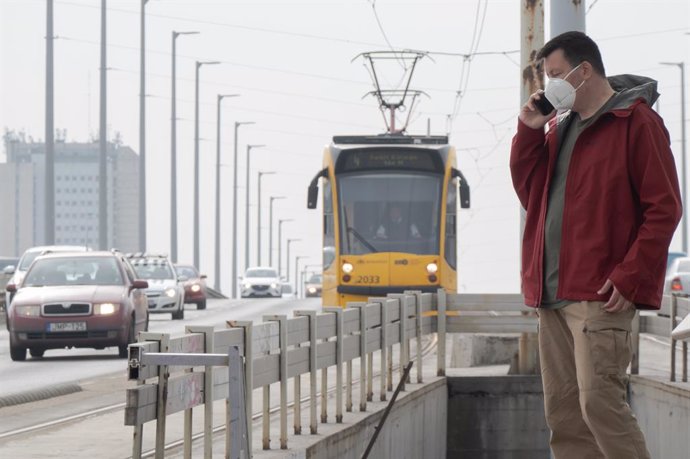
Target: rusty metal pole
x,y
532,78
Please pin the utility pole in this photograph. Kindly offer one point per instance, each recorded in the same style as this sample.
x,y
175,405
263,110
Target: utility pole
x,y
49,196
234,210
270,229
258,216
196,160
684,191
173,152
217,275
287,258
566,15
142,132
532,78
297,259
102,144
280,241
246,207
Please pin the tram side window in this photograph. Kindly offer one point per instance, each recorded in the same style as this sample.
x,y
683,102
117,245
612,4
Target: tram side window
x,y
328,226
451,224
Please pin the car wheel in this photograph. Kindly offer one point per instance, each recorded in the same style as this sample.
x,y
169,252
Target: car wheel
x,y
178,315
17,353
122,350
201,304
36,352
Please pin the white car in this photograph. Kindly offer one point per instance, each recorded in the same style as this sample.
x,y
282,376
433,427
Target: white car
x,y
678,277
165,293
261,281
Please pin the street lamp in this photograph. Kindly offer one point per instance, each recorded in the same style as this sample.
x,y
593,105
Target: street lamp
x,y
280,241
270,229
681,66
217,276
234,210
196,160
258,217
297,259
246,209
173,152
287,258
142,131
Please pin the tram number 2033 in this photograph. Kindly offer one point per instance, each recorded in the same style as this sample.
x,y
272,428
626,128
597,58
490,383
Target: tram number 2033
x,y
368,279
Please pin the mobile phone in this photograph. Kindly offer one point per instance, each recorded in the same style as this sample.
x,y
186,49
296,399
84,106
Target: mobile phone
x,y
543,105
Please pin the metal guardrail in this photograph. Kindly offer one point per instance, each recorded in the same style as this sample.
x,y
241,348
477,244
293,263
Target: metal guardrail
x,y
281,348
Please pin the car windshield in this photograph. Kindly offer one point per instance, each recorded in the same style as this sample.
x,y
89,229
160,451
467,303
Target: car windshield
x,y
315,279
157,269
27,259
186,271
391,212
5,262
683,266
74,271
261,273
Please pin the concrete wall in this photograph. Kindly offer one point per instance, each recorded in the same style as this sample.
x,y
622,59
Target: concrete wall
x,y
415,428
497,417
663,411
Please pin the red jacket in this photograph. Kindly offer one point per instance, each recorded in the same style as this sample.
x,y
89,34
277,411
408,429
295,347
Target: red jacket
x,y
622,206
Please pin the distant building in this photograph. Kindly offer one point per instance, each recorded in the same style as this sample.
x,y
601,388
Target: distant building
x,y
22,191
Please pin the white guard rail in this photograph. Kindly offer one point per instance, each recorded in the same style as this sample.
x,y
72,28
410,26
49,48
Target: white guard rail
x,y
281,348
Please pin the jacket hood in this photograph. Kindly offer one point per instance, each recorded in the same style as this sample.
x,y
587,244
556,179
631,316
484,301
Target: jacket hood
x,y
631,88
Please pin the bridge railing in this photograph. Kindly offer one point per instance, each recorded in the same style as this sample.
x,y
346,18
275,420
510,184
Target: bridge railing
x,y
282,348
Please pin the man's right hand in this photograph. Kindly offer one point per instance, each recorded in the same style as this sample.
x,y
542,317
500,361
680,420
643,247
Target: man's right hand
x,y
530,114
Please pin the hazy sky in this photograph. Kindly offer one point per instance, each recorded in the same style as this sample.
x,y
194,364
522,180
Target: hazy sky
x,y
291,63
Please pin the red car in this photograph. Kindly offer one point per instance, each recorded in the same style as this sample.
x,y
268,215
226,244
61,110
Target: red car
x,y
89,299
194,285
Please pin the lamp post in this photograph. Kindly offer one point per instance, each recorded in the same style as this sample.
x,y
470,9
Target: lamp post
x,y
287,258
234,210
196,159
681,66
280,241
142,130
297,259
102,140
49,194
217,275
246,207
270,229
173,151
258,216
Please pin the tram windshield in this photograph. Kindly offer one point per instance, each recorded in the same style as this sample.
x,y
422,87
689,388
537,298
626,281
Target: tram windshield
x,y
391,212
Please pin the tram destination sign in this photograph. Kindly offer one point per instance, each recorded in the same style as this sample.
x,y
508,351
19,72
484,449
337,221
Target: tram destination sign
x,y
371,159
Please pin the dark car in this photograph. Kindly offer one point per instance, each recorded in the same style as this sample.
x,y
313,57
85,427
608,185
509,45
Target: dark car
x,y
89,299
194,285
312,288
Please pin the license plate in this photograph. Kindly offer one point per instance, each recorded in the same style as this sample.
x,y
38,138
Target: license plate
x,y
67,326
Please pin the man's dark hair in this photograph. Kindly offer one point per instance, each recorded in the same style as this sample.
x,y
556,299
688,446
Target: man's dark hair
x,y
577,48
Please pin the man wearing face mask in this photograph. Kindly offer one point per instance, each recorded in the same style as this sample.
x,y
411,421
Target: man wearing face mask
x,y
602,198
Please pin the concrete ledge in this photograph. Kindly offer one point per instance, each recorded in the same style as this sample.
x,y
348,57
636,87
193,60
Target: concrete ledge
x,y
477,349
39,394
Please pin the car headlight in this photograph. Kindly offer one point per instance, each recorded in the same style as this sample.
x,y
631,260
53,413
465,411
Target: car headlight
x,y
28,310
247,285
105,309
274,285
170,292
195,288
312,290
431,268
347,268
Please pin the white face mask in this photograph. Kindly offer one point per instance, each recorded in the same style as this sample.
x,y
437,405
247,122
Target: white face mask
x,y
560,93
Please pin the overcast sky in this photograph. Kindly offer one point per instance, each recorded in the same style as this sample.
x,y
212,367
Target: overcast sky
x,y
291,63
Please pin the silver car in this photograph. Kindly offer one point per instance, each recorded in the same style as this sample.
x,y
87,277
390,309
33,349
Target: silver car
x,y
261,282
678,277
165,293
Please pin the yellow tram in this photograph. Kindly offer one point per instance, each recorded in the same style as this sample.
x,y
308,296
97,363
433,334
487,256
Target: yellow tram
x,y
389,215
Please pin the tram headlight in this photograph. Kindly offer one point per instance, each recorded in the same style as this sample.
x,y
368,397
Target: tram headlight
x,y
347,268
432,268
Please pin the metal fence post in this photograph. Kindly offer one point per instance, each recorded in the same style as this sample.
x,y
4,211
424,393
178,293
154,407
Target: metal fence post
x,y
339,361
246,326
313,425
402,304
208,397
282,333
384,349
362,354
674,311
418,326
441,330
163,376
